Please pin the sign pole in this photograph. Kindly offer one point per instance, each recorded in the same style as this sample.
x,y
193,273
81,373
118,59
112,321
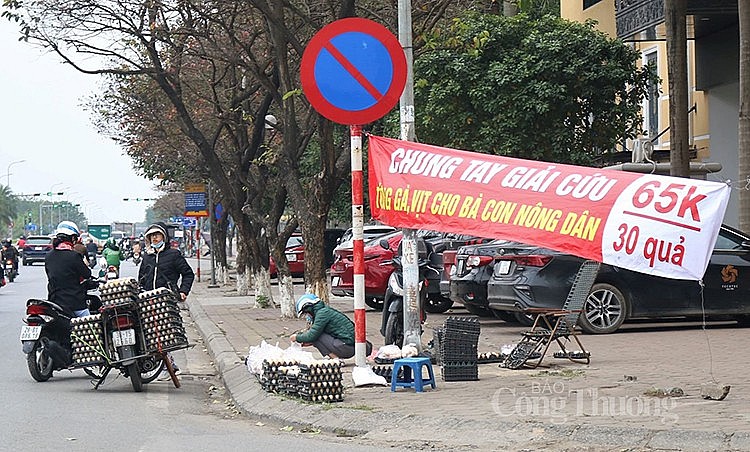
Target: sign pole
x,y
360,339
198,247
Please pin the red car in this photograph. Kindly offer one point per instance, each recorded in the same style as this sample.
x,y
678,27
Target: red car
x,y
295,255
377,269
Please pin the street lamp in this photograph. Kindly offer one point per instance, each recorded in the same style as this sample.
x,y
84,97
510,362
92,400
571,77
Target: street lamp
x,y
7,180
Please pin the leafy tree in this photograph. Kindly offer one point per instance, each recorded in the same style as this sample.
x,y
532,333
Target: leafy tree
x,y
544,89
8,206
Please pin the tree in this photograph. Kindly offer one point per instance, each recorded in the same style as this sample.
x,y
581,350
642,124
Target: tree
x,y
679,153
544,89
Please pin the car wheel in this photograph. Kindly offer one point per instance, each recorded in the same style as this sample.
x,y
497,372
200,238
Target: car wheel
x,y
437,304
374,303
478,310
604,310
24,263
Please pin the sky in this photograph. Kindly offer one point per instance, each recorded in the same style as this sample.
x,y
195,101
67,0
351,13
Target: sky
x,y
49,143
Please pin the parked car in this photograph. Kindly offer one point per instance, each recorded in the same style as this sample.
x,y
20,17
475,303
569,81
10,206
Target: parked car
x,y
295,256
369,232
378,270
36,248
525,276
466,273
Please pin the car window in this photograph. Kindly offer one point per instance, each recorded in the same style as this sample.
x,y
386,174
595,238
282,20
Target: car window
x,y
375,232
295,240
724,242
38,241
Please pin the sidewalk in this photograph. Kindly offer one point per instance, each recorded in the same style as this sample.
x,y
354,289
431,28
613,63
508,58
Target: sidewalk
x,y
565,406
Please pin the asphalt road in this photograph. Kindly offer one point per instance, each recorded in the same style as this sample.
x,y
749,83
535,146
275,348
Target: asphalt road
x,y
66,413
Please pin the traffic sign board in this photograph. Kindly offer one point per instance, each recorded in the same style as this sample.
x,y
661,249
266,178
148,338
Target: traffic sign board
x,y
353,71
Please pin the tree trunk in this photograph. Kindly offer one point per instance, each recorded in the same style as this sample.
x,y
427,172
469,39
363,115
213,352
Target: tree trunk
x,y
674,19
286,292
263,295
744,119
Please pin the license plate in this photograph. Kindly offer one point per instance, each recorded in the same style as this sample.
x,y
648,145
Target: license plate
x,y
39,248
336,281
291,258
30,333
123,337
504,268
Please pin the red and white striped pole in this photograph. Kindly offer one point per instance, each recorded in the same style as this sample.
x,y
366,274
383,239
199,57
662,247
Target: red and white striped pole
x,y
360,321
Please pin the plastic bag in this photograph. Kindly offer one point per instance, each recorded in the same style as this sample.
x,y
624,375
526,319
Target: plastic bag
x,y
391,351
409,351
265,351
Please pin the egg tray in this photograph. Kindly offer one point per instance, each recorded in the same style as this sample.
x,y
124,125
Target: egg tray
x,y
86,341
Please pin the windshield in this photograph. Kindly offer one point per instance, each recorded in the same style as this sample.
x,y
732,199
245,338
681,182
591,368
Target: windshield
x,y
38,241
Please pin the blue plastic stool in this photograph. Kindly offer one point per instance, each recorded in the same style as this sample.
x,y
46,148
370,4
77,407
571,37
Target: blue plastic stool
x,y
412,367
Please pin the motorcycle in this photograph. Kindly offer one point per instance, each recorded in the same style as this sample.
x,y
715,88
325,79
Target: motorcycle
x,y
392,322
52,340
92,260
9,269
107,272
45,337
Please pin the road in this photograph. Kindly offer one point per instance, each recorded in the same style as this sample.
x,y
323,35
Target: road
x,y
65,413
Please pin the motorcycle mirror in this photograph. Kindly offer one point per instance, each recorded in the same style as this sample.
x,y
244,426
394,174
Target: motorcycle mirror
x,y
384,244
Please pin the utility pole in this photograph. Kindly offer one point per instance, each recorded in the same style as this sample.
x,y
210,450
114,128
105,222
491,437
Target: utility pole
x,y
409,255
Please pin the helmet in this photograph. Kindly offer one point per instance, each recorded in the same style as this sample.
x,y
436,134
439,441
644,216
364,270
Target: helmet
x,y
305,301
67,229
6,242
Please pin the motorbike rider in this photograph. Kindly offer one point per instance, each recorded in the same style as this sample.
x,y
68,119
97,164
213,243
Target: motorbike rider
x,y
163,266
66,271
331,332
10,252
91,251
112,254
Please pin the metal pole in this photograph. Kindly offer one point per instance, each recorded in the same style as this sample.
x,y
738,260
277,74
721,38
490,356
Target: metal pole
x,y
409,255
211,221
198,247
360,319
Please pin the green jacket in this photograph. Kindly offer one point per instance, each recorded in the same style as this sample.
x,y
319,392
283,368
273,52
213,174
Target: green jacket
x,y
331,321
113,257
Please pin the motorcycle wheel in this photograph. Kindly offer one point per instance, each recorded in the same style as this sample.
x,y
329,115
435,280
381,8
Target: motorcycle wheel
x,y
135,377
151,367
437,304
394,329
39,363
11,276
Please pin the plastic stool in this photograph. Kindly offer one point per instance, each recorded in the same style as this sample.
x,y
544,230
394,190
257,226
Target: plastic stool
x,y
412,367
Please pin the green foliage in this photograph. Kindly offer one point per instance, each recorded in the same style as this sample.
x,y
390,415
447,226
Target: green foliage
x,y
543,89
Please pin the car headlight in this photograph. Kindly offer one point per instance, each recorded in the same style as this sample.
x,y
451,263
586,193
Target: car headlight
x,y
395,286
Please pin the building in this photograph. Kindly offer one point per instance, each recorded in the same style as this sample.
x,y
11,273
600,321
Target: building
x,y
713,76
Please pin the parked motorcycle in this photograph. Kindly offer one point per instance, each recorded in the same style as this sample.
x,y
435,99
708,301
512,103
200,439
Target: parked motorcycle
x,y
9,269
49,335
45,337
392,323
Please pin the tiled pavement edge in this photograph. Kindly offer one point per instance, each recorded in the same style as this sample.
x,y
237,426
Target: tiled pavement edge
x,y
445,417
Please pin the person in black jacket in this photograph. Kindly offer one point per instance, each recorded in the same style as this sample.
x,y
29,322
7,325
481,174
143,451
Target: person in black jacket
x,y
163,266
66,271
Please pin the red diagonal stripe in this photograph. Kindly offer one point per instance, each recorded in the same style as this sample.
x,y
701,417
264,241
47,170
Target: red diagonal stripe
x,y
369,87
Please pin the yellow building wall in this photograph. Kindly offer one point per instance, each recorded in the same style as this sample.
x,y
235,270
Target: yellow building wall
x,y
604,13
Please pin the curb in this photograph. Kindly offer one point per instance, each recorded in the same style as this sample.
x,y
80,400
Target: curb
x,y
254,402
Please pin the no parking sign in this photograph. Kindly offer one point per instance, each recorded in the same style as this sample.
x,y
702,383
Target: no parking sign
x,y
353,71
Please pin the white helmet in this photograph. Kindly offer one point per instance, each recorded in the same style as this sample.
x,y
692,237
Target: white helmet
x,y
306,301
68,228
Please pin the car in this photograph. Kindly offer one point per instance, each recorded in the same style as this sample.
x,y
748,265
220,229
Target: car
x,y
36,248
377,269
295,256
526,276
466,274
369,231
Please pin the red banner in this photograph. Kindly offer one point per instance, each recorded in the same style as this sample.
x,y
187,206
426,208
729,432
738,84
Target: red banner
x,y
660,225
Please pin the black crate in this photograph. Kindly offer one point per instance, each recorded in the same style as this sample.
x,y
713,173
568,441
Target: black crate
x,y
460,371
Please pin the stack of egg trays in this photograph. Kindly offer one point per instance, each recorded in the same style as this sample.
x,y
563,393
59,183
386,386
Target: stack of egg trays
x,y
87,341
161,320
273,376
321,381
119,293
458,348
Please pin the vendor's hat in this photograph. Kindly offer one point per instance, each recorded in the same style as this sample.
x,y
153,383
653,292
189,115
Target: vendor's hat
x,y
157,227
305,301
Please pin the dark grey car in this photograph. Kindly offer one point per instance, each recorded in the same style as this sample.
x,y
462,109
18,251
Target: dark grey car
x,y
36,248
525,276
